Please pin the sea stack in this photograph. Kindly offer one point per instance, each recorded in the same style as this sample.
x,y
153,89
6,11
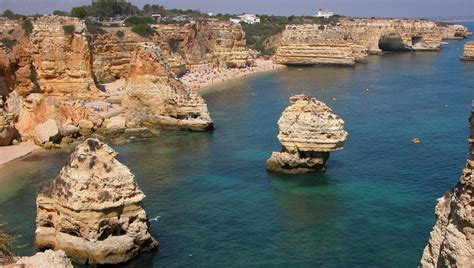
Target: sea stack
x,y
93,210
451,242
309,131
468,52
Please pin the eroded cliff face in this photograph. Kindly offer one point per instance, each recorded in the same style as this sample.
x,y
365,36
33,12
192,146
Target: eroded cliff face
x,y
351,40
309,131
206,45
451,243
453,31
50,75
154,95
468,52
93,209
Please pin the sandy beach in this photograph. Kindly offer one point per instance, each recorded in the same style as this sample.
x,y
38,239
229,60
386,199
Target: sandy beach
x,y
197,81
12,152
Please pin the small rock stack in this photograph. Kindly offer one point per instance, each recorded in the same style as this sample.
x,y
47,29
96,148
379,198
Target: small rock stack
x,y
309,131
93,209
451,242
468,52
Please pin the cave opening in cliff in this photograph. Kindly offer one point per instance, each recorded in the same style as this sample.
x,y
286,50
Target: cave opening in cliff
x,y
392,43
416,39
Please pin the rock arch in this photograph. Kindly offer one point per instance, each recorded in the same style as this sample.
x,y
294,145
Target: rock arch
x,y
392,42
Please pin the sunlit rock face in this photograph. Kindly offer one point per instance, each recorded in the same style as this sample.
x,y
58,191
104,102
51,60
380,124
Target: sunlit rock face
x,y
453,31
451,243
349,41
468,52
205,45
309,131
49,258
156,96
93,210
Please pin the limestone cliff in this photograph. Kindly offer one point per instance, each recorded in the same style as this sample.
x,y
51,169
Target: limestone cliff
x,y
206,44
451,242
154,95
468,52
49,76
453,31
93,209
351,40
47,259
308,132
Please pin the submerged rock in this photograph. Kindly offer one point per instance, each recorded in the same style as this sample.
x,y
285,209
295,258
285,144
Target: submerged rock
x,y
308,132
451,242
93,209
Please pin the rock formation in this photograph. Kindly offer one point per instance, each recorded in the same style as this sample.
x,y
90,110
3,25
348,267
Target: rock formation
x,y
468,52
205,45
47,259
309,131
7,125
453,31
93,209
351,40
156,96
451,242
50,75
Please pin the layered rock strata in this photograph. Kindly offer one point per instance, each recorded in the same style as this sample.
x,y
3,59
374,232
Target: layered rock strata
x,y
206,45
451,243
50,75
468,52
453,31
156,96
93,210
351,40
309,131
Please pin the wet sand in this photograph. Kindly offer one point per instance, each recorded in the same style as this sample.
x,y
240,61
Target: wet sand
x,y
12,152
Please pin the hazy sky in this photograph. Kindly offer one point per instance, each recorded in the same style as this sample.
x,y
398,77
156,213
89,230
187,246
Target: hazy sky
x,y
362,8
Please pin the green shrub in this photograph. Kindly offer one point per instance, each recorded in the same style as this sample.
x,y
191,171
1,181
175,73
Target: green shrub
x,y
69,29
27,26
174,45
143,30
8,42
136,20
119,34
60,13
94,27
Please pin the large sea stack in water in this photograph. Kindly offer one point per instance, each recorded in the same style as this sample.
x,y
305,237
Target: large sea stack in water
x,y
93,210
468,52
309,131
451,242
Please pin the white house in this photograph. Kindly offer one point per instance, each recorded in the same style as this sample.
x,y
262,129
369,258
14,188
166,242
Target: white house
x,y
247,18
324,14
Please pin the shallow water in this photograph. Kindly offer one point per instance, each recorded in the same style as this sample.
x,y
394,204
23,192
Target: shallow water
x,y
374,206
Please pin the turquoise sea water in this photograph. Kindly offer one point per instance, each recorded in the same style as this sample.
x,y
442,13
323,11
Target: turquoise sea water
x,y
374,206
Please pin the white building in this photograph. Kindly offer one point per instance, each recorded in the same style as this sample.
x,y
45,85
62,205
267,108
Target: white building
x,y
324,14
247,18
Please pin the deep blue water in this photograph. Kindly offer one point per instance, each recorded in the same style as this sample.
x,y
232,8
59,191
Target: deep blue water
x,y
373,206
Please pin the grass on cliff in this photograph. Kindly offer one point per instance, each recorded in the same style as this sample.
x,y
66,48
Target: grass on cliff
x,y
143,30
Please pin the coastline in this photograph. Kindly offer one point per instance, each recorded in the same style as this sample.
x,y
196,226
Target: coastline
x,y
13,152
200,81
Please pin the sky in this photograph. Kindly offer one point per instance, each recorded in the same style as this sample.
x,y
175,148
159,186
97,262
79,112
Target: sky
x,y
356,8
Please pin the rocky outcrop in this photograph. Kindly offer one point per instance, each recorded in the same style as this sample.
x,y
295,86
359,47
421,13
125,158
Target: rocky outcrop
x,y
309,131
205,45
451,242
7,125
156,96
453,31
351,40
468,52
49,77
47,259
93,210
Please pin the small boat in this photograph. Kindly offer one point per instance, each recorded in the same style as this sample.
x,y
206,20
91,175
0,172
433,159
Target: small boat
x,y
416,140
334,99
444,43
